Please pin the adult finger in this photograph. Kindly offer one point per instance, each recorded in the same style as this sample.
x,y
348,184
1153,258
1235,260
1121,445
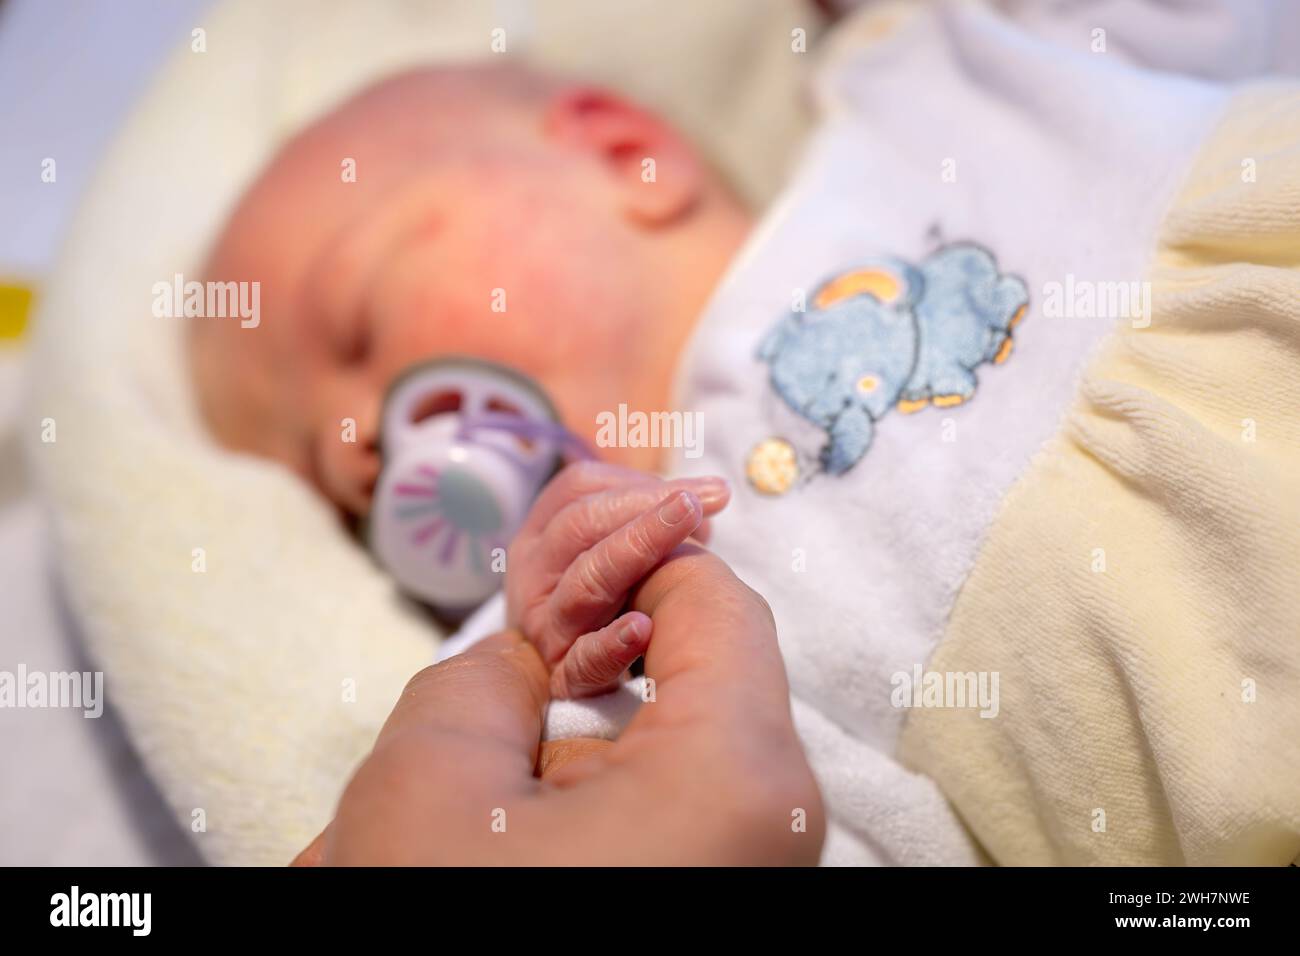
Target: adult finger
x,y
488,701
314,854
710,627
457,752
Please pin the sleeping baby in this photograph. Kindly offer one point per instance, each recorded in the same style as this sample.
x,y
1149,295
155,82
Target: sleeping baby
x,y
956,391
517,188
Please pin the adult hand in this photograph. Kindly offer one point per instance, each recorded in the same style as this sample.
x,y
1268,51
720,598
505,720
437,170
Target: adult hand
x,y
710,772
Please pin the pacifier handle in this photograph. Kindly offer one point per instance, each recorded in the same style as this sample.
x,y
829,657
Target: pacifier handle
x,y
528,428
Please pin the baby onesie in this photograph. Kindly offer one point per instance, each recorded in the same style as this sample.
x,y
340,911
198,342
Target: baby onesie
x,y
907,328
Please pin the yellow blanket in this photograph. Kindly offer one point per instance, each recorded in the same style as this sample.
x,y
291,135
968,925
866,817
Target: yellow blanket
x,y
1139,592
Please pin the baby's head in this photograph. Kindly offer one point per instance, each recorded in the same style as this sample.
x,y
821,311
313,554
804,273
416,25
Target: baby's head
x,y
494,213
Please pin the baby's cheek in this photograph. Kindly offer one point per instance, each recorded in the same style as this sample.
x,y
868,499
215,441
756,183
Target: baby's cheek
x,y
466,316
346,463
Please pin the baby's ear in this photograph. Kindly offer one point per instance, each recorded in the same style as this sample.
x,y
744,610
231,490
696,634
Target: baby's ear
x,y
656,174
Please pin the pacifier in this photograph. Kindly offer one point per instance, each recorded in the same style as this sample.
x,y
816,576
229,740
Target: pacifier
x,y
466,445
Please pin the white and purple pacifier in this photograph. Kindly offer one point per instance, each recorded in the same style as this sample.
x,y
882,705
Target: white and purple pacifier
x,y
466,446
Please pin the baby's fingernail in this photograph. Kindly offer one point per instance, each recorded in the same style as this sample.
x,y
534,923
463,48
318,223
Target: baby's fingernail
x,y
677,508
631,631
710,489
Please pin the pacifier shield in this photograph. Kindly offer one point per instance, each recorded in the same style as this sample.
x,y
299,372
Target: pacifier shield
x,y
437,525
457,481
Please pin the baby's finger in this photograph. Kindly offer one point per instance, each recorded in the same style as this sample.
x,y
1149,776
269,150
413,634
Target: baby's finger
x,y
583,523
597,660
596,584
577,481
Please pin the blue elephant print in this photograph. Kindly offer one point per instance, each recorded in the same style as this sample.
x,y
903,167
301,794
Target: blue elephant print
x,y
888,334
965,315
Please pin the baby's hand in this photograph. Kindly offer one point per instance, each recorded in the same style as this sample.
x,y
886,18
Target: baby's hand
x,y
594,532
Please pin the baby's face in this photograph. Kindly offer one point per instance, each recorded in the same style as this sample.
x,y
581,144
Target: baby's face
x,y
491,214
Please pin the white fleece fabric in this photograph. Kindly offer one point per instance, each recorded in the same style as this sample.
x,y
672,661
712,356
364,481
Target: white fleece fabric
x,y
252,649
942,122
